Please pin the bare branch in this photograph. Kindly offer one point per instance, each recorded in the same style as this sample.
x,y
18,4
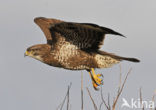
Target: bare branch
x,y
142,106
120,80
95,107
104,100
109,102
68,98
120,91
100,106
62,104
153,99
82,91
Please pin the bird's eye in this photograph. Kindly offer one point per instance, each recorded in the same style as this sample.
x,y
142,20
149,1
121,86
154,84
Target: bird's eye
x,y
28,49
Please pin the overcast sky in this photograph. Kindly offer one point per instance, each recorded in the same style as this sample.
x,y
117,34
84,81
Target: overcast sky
x,y
27,84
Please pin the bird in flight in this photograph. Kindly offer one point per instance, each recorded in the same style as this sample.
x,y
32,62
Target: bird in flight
x,y
75,46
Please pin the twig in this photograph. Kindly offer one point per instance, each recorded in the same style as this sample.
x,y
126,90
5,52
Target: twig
x,y
95,107
62,104
109,102
100,106
81,91
120,80
68,98
142,106
120,91
104,100
153,99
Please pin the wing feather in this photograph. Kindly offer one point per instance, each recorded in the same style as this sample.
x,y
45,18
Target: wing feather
x,y
84,35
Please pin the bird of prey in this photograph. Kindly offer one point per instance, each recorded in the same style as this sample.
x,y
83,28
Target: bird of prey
x,y
75,46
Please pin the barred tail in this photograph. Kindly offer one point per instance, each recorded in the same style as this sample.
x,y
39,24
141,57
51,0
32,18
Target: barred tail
x,y
119,57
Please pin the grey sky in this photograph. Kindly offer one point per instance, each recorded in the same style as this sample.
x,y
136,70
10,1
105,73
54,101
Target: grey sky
x,y
27,84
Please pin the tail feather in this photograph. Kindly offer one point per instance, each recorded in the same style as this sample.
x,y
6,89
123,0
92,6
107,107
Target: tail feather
x,y
130,59
119,57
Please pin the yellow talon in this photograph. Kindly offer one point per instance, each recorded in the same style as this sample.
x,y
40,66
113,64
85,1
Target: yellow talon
x,y
96,77
96,81
95,86
99,75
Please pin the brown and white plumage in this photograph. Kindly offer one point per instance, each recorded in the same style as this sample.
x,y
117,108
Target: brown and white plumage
x,y
73,46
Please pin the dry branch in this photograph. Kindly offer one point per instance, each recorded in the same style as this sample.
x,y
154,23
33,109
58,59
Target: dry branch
x,y
106,105
82,91
142,106
66,97
95,107
120,91
104,102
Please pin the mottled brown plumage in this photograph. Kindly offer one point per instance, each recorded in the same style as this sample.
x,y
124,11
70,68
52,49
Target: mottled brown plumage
x,y
74,46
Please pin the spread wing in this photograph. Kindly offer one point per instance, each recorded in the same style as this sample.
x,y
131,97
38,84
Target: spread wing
x,y
85,36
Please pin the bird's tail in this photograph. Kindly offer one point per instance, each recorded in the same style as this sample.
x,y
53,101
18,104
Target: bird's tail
x,y
119,57
130,59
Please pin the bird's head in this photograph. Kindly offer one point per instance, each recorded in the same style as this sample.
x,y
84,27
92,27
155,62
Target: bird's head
x,y
38,51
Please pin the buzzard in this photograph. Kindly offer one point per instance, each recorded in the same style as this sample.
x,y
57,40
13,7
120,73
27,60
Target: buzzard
x,y
74,46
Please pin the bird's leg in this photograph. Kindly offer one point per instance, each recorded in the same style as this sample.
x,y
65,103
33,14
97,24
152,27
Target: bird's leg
x,y
96,81
97,77
93,81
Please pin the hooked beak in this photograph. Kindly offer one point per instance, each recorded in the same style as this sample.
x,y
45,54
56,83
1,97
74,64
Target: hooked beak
x,y
26,53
